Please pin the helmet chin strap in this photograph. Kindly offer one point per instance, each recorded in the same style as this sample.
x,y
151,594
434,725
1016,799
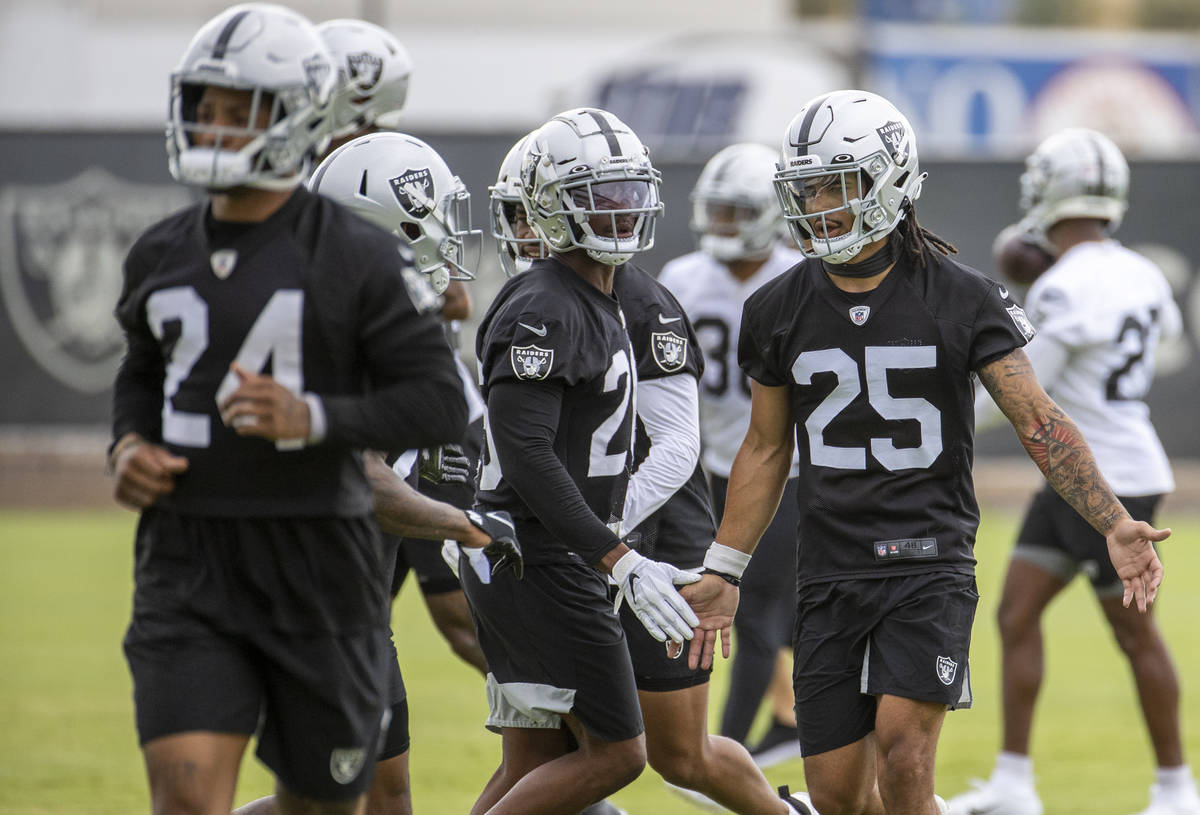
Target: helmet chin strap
x,y
876,264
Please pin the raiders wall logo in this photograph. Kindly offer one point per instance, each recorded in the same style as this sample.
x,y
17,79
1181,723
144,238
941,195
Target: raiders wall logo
x,y
947,669
61,251
531,362
859,314
365,69
414,191
345,763
895,139
669,349
1021,321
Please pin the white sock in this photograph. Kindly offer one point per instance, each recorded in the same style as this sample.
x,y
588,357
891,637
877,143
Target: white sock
x,y
1175,780
1013,769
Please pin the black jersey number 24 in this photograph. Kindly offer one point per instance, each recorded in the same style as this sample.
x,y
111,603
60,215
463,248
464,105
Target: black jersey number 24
x,y
878,360
275,335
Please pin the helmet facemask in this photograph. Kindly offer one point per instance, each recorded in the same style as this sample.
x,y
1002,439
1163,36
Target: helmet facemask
x,y
439,238
507,214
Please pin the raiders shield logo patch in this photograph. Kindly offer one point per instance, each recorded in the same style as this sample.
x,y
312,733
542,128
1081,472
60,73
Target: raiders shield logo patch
x,y
670,350
345,763
1021,321
895,139
859,314
531,362
365,69
222,262
947,669
414,191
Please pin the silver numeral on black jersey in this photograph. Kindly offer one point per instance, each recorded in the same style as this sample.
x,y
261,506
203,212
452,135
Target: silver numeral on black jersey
x,y
878,360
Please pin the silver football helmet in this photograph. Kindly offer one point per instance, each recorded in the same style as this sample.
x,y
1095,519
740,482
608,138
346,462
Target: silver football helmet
x,y
1076,173
277,57
504,198
401,183
373,74
847,173
734,208
587,183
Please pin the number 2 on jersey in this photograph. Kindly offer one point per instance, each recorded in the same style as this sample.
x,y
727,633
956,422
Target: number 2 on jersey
x,y
878,360
275,335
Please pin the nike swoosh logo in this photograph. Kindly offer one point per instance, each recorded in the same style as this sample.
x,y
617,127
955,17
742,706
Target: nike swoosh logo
x,y
541,332
633,587
1003,291
666,320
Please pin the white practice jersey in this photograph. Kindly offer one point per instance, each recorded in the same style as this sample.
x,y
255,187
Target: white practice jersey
x,y
1106,308
713,299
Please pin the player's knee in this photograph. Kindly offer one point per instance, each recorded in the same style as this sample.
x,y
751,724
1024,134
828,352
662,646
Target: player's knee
x,y
626,761
1014,621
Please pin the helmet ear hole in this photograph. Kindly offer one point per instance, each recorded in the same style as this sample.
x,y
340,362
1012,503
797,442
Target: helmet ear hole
x,y
411,230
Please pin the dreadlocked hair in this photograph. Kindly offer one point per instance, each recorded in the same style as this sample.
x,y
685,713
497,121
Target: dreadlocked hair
x,y
916,241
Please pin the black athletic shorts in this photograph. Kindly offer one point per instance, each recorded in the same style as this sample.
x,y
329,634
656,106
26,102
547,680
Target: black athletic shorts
x,y
905,636
553,645
423,558
271,625
1057,539
396,740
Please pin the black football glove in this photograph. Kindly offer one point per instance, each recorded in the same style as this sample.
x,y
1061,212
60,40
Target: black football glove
x,y
447,464
504,552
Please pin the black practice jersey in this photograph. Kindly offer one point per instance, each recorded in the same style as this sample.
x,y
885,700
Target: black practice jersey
x,y
317,298
665,344
558,380
881,392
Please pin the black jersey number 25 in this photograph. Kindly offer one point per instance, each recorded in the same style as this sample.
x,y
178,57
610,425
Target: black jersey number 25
x,y
878,360
275,335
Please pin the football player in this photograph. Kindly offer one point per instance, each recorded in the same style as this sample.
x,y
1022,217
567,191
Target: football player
x,y
739,225
558,377
667,507
271,337
1100,311
862,355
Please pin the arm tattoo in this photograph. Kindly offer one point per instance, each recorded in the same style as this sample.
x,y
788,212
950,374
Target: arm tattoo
x,y
1052,440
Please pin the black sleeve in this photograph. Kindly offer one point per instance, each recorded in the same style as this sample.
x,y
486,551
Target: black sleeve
x,y
415,397
138,390
755,353
999,327
523,418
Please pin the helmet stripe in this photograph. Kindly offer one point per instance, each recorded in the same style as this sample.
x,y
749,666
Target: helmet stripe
x,y
802,141
1100,188
227,34
609,134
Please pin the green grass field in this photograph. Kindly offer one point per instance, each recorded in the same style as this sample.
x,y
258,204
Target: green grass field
x,y
67,742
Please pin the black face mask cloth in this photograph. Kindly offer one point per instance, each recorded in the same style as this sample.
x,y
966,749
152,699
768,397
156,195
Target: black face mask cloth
x,y
877,263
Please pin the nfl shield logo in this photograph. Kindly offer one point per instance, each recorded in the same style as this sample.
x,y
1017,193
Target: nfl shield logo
x,y
1021,321
345,763
531,362
859,314
222,262
669,349
946,670
414,192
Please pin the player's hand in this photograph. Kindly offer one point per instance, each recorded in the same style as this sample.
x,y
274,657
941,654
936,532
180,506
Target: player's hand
x,y
450,553
649,588
260,406
715,601
447,464
144,471
1131,549
504,551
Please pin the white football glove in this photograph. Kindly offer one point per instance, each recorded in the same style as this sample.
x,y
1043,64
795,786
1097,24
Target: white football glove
x,y
649,588
450,555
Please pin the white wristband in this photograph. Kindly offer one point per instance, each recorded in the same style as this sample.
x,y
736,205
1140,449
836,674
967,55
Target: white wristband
x,y
726,560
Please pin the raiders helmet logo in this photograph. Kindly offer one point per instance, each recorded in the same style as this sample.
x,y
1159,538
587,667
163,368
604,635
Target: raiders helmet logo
x,y
1021,321
669,349
61,250
531,362
859,314
365,69
947,669
895,139
414,192
345,763
316,68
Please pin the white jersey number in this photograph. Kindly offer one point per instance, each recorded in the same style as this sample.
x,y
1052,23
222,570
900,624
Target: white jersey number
x,y
275,335
600,461
878,360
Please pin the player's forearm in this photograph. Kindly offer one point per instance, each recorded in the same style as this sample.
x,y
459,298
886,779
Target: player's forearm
x,y
1052,441
756,484
401,510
